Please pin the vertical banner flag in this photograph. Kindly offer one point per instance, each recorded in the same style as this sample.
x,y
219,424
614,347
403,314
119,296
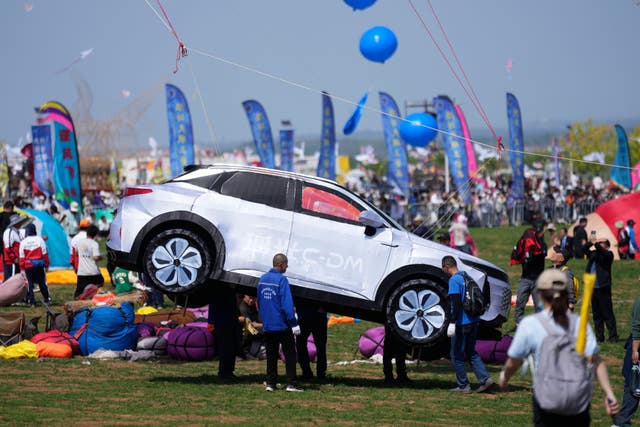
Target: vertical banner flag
x,y
181,151
42,159
621,171
398,172
286,150
4,170
471,154
516,145
66,163
454,145
261,130
327,160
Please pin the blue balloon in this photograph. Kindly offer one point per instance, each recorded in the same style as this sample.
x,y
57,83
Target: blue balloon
x,y
413,131
359,4
378,44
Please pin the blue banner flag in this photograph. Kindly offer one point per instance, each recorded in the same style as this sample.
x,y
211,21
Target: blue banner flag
x,y
516,145
327,161
286,150
398,173
353,121
454,144
66,163
261,130
621,171
42,159
181,151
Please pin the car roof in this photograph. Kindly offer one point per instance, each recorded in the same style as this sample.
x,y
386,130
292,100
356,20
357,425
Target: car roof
x,y
229,167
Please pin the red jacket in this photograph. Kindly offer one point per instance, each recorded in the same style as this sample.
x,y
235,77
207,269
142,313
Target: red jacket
x,y
33,253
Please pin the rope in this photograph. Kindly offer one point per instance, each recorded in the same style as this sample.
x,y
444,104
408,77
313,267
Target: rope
x,y
182,50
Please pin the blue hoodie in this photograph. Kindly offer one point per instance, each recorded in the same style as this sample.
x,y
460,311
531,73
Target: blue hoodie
x,y
275,302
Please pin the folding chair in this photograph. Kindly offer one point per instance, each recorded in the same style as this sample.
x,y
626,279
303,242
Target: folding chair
x,y
11,327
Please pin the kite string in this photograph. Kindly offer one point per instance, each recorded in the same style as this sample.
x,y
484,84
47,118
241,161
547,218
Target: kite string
x,y
182,50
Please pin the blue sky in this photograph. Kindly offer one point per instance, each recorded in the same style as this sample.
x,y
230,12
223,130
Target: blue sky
x,y
572,60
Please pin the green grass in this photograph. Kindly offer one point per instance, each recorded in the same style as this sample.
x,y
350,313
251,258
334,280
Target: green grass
x,y
82,391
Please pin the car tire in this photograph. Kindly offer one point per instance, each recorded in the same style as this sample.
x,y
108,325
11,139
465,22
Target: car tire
x,y
177,261
418,312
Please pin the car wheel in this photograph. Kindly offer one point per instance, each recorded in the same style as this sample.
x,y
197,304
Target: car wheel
x,y
177,261
417,312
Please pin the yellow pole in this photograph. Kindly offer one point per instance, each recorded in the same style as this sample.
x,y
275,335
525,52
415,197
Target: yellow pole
x,y
589,280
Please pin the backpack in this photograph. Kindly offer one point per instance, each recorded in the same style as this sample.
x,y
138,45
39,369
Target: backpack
x,y
576,282
530,243
473,301
623,237
562,381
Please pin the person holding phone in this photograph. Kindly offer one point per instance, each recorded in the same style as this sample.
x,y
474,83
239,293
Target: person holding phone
x,y
600,262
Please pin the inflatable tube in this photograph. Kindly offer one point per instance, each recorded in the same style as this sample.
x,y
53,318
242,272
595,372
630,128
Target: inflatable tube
x,y
13,290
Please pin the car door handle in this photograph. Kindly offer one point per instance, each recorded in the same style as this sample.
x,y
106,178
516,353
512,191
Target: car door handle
x,y
391,245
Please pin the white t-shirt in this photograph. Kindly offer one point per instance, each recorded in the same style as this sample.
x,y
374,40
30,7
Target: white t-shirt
x,y
87,249
82,234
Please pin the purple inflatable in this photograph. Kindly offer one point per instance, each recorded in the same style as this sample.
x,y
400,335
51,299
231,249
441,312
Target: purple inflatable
x,y
146,329
372,342
190,343
494,351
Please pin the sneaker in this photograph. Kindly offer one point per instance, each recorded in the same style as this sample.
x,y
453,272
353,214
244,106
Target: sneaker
x,y
293,388
464,390
486,386
270,387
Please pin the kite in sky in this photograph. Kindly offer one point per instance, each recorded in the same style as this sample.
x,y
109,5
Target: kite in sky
x,y
82,56
28,7
125,93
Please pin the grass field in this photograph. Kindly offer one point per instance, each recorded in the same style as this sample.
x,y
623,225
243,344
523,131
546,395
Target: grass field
x,y
83,391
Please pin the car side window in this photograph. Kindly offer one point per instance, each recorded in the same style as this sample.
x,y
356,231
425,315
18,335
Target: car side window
x,y
328,204
259,188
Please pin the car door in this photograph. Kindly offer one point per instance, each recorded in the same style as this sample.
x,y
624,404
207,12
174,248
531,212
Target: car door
x,y
253,212
329,249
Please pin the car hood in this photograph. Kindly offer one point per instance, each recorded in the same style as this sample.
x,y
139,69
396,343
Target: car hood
x,y
425,249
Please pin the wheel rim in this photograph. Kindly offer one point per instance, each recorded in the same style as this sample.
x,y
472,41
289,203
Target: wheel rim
x,y
420,313
177,263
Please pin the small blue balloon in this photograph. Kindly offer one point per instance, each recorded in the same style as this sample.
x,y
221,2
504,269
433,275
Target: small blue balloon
x,y
414,132
359,4
378,44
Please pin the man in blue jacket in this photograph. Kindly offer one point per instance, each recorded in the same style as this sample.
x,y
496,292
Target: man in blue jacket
x,y
279,323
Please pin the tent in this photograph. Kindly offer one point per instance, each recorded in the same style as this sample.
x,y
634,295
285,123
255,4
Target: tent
x,y
57,241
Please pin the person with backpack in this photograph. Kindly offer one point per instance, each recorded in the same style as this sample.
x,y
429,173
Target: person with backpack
x,y
559,262
530,252
562,381
622,235
463,330
631,358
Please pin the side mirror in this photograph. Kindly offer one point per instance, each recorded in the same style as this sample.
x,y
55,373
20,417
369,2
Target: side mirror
x,y
371,219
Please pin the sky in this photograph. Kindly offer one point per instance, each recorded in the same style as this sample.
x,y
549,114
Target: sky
x,y
572,60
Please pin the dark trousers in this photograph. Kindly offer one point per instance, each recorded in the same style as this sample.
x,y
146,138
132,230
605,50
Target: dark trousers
x,y
313,323
223,315
37,276
10,270
393,348
542,418
602,308
629,403
272,342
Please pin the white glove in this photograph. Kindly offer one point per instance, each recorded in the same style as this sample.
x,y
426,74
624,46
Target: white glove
x,y
451,330
296,330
